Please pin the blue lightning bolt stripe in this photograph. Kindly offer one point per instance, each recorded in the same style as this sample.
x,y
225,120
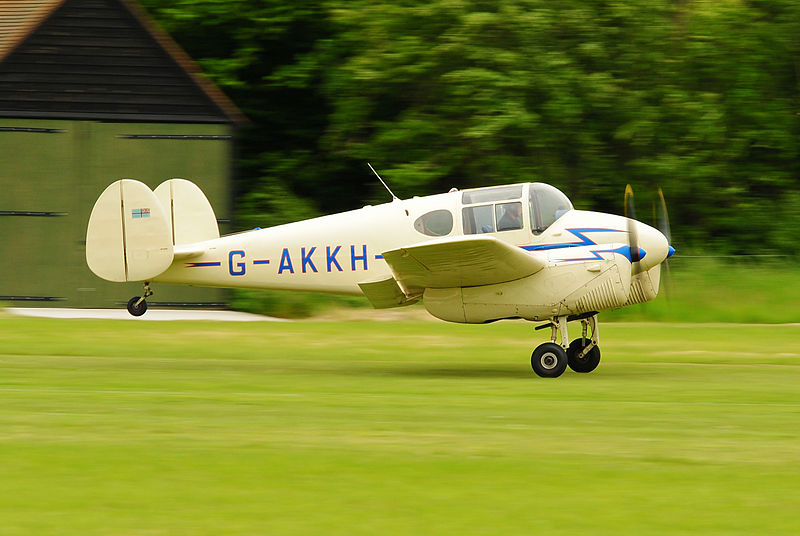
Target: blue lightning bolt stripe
x,y
202,264
580,234
625,251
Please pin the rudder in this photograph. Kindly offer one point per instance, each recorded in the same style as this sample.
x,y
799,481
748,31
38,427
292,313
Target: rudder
x,y
128,237
188,212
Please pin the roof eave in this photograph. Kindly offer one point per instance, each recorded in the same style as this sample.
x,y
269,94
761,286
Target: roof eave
x,y
31,26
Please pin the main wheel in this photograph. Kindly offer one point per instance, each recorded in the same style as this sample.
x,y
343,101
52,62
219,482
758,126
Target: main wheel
x,y
588,362
549,360
137,310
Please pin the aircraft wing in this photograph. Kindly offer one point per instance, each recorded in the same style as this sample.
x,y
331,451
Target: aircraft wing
x,y
462,261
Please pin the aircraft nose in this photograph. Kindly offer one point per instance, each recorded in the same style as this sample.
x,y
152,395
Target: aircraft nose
x,y
655,245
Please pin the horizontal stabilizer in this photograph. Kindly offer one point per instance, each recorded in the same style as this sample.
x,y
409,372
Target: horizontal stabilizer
x,y
187,252
463,261
386,293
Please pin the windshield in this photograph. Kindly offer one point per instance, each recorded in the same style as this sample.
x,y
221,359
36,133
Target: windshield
x,y
547,204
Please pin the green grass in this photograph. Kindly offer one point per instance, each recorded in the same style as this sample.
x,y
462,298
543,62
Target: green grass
x,y
364,428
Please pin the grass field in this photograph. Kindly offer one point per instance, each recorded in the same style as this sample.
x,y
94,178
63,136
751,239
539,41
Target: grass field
x,y
365,428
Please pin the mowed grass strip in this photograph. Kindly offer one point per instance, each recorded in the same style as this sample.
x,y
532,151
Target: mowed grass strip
x,y
394,428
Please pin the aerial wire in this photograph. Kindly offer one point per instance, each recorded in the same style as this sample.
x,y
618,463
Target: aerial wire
x,y
394,197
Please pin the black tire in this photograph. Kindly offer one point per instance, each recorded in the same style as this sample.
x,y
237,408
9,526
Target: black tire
x,y
588,362
137,310
549,360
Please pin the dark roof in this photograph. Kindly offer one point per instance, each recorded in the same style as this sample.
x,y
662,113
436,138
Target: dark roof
x,y
99,59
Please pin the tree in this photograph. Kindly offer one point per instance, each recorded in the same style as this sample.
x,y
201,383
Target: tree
x,y
700,98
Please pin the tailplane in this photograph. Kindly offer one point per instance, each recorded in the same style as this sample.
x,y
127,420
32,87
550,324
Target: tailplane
x,y
134,234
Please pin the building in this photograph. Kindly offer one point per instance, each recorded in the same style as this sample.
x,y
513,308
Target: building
x,y
92,91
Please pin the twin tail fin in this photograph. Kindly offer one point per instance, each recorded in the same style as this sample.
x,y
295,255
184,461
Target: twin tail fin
x,y
134,233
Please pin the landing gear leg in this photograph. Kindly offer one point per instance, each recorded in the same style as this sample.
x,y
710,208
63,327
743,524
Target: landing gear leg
x,y
137,306
549,360
583,354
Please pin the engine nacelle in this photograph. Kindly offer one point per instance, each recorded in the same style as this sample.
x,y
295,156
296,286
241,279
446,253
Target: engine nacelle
x,y
644,285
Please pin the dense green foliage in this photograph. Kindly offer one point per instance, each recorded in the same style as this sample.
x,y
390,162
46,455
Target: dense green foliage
x,y
701,98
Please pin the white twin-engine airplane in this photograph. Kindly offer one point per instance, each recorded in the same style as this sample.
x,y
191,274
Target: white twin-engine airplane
x,y
472,256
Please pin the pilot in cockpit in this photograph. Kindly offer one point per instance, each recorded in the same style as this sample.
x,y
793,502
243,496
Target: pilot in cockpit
x,y
512,217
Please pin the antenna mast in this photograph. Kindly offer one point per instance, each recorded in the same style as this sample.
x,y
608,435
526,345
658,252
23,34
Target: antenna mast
x,y
384,184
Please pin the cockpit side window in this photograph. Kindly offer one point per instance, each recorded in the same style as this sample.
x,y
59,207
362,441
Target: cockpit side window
x,y
435,223
547,204
491,216
508,215
478,219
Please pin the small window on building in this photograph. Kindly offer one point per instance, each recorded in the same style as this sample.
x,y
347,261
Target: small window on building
x,y
435,223
489,195
478,219
508,215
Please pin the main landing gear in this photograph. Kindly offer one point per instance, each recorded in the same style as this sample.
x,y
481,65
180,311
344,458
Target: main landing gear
x,y
137,306
550,360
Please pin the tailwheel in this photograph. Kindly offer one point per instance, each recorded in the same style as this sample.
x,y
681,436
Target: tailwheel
x,y
549,360
582,359
137,306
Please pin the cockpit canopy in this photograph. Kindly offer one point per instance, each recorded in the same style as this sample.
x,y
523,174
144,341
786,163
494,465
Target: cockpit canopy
x,y
498,209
